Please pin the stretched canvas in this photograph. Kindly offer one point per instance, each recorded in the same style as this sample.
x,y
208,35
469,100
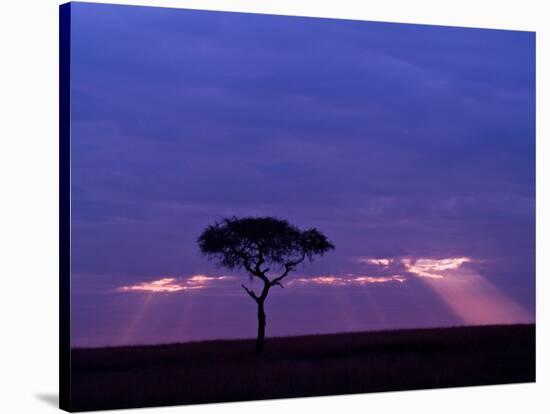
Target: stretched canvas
x,y
259,206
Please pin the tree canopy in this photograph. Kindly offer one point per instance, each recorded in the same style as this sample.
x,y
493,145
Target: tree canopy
x,y
261,244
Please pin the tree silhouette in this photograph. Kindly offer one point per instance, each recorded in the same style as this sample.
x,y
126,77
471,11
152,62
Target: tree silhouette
x,y
261,245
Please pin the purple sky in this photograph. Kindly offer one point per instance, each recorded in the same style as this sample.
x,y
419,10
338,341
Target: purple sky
x,y
408,143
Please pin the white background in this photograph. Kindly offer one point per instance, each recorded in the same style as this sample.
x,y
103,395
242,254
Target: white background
x,y
29,207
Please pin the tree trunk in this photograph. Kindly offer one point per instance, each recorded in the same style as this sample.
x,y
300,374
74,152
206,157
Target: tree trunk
x,y
261,328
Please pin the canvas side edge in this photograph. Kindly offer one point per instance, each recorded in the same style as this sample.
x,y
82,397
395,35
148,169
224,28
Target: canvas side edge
x,y
64,206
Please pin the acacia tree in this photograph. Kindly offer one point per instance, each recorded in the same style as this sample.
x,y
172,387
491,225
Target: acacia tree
x,y
266,247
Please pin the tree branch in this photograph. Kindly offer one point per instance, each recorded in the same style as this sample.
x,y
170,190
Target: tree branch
x,y
251,293
260,261
289,266
249,269
246,263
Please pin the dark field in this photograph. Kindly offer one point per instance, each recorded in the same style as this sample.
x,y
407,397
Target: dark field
x,y
217,371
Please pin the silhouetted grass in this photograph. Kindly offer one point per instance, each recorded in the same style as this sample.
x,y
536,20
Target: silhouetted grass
x,y
228,370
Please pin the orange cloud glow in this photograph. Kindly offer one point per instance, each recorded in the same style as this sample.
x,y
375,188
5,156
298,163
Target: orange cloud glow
x,y
172,284
347,280
375,261
433,268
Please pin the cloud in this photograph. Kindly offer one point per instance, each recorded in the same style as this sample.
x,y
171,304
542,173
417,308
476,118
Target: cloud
x,y
391,270
346,280
373,261
173,284
433,268
417,267
199,281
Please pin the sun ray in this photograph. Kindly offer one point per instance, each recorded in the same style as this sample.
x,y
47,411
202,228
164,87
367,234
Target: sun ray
x,y
129,333
473,299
